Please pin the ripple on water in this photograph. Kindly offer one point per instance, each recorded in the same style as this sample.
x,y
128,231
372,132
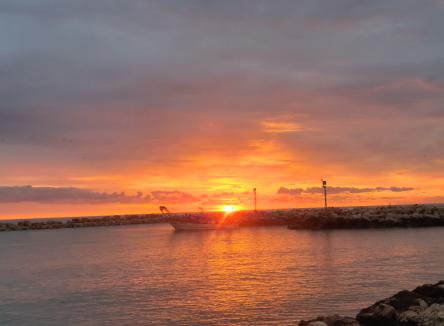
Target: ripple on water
x,y
149,274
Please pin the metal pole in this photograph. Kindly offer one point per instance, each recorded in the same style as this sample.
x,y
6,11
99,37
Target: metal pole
x,y
324,185
255,200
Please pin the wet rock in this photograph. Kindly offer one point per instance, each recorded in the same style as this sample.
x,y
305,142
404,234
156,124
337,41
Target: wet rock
x,y
432,316
332,320
432,292
408,318
421,303
407,308
315,323
378,314
404,300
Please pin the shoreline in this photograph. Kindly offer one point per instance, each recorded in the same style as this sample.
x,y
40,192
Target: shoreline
x,y
294,219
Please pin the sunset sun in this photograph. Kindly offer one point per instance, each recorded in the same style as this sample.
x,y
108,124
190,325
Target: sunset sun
x,y
229,209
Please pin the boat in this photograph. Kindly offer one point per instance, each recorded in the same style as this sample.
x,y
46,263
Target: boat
x,y
195,226
199,221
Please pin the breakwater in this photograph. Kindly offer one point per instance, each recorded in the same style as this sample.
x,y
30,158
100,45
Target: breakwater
x,y
303,218
424,306
114,220
370,217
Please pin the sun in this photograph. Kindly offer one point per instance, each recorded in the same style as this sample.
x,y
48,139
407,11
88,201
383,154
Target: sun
x,y
229,209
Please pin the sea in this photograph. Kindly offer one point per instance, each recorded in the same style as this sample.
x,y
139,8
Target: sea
x,y
153,275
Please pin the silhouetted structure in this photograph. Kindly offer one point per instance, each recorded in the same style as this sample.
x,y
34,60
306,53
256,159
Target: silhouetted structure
x,y
255,200
324,185
164,210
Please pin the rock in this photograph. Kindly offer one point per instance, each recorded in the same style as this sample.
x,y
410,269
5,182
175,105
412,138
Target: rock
x,y
404,300
316,323
336,320
408,318
332,320
433,292
421,303
313,322
432,316
408,308
378,314
422,307
386,313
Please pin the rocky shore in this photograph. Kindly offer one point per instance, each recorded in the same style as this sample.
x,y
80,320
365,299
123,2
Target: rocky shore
x,y
370,217
303,218
424,306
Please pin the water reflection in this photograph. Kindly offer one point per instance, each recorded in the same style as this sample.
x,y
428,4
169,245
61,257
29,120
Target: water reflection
x,y
270,275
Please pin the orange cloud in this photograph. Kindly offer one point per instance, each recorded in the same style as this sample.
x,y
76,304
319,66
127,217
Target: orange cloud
x,y
281,127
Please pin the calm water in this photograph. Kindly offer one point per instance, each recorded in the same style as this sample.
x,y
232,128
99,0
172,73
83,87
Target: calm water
x,y
143,275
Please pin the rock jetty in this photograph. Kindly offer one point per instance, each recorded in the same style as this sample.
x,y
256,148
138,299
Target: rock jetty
x,y
370,217
424,306
80,222
301,218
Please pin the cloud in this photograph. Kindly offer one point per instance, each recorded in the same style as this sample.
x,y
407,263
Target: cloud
x,y
15,194
338,190
51,195
290,191
173,197
395,189
224,198
256,91
280,127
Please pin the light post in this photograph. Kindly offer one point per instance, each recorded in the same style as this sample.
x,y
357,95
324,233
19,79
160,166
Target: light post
x,y
324,185
255,200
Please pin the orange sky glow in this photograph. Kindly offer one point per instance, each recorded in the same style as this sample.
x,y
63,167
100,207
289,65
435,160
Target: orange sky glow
x,y
193,106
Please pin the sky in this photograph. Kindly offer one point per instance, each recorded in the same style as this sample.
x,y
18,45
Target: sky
x,y
114,107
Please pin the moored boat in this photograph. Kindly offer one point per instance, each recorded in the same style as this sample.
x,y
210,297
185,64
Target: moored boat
x,y
200,221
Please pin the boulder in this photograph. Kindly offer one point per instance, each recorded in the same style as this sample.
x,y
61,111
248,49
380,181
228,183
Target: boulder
x,y
332,320
408,318
422,306
433,293
378,314
432,316
316,323
404,300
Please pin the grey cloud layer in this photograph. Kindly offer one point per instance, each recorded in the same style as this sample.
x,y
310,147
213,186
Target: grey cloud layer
x,y
92,79
16,194
55,195
338,190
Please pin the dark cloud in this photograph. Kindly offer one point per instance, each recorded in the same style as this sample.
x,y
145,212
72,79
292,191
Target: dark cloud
x,y
338,190
173,197
395,189
15,194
